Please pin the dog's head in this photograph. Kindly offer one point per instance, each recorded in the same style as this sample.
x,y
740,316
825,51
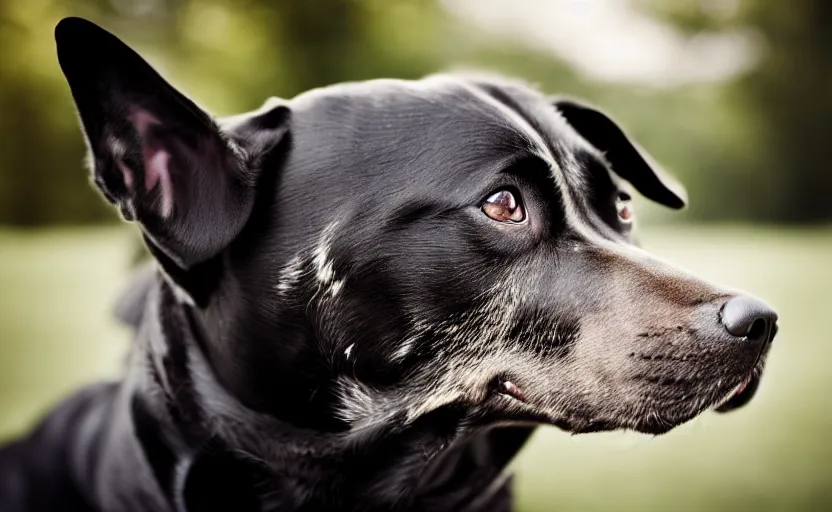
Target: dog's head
x,y
367,254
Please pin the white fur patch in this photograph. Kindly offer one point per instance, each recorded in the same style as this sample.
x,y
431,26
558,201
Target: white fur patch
x,y
348,351
323,266
363,407
406,346
404,349
320,256
472,349
290,275
317,263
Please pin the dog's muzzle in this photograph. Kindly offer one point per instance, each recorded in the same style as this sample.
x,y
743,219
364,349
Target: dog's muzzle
x,y
754,323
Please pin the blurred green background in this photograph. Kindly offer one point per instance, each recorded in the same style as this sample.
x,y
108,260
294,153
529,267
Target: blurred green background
x,y
734,96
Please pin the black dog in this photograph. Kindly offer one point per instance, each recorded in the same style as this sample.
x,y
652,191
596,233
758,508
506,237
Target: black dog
x,y
369,295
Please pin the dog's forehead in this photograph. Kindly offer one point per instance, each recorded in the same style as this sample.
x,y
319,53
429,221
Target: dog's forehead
x,y
438,95
459,120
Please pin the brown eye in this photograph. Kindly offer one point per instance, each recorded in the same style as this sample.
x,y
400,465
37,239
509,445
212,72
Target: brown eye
x,y
504,207
624,207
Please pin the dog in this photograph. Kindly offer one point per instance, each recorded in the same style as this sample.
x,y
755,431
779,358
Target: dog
x,y
367,297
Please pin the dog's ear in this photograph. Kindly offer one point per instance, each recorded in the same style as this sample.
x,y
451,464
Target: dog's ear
x,y
156,155
627,159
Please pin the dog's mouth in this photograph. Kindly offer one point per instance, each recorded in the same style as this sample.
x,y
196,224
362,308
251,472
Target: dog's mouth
x,y
516,403
740,395
506,387
745,390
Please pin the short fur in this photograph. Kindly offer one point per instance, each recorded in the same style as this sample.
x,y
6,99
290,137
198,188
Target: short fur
x,y
333,323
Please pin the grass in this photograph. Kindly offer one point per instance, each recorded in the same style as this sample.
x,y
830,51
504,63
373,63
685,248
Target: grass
x,y
774,455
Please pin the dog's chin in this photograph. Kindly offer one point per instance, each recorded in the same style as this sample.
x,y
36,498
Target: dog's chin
x,y
508,406
513,413
738,396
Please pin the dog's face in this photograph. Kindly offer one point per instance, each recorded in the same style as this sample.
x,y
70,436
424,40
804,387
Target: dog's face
x,y
365,255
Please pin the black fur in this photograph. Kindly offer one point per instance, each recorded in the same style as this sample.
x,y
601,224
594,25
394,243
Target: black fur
x,y
334,323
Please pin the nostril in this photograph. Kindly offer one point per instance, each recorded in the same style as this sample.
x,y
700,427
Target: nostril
x,y
759,328
747,317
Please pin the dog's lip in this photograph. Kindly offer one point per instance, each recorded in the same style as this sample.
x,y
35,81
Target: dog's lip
x,y
736,392
738,389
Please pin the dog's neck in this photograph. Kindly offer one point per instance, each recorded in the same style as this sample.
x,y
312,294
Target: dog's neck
x,y
274,465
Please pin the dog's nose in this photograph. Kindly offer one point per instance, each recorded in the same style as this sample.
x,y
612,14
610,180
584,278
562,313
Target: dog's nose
x,y
747,317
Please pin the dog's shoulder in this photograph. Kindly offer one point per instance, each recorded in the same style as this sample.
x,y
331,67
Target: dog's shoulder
x,y
49,457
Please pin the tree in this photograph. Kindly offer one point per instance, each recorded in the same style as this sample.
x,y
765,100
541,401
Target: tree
x,y
786,101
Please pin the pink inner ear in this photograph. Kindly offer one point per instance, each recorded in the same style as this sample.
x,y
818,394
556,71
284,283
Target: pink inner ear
x,y
126,173
156,159
142,119
156,171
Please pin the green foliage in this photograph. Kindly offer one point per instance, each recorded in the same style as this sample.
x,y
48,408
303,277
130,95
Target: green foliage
x,y
781,172
754,148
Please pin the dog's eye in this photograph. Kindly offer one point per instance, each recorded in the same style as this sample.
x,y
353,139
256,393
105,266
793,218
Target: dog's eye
x,y
624,207
502,206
